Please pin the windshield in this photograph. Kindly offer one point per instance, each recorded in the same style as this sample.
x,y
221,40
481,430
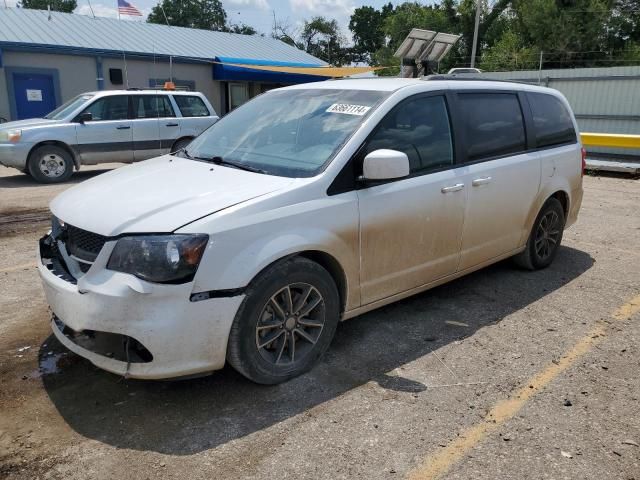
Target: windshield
x,y
291,133
66,108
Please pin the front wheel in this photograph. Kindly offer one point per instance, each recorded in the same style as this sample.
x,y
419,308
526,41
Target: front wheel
x,y
50,164
544,240
285,323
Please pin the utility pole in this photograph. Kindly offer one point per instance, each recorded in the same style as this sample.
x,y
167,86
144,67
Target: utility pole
x,y
540,69
475,33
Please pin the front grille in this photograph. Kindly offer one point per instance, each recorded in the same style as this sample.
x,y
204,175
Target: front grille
x,y
84,267
53,260
83,244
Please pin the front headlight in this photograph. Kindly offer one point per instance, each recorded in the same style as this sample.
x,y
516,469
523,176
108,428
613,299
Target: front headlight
x,y
12,136
159,258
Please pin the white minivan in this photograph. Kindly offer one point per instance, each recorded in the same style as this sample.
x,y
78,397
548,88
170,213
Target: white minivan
x,y
307,205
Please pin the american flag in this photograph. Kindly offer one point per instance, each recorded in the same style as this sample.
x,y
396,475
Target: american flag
x,y
125,8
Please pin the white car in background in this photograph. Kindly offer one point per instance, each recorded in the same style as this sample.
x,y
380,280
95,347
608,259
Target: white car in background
x,y
103,127
305,206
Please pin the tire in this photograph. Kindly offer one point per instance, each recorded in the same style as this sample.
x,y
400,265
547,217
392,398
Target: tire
x,y
268,345
545,237
50,164
180,144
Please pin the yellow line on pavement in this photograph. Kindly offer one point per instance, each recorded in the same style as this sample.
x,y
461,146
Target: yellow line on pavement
x,y
16,268
504,410
628,309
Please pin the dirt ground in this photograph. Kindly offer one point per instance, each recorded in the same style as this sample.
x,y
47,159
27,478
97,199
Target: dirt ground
x,y
502,374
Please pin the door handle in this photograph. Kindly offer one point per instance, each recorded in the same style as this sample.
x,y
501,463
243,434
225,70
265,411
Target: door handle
x,y
123,127
452,188
481,181
172,125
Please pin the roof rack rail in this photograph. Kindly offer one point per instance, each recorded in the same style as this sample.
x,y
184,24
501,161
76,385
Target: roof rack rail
x,y
469,78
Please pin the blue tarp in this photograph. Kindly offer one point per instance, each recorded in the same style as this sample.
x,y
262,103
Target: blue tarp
x,y
227,72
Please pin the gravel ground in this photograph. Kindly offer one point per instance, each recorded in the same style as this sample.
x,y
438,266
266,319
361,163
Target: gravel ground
x,y
502,374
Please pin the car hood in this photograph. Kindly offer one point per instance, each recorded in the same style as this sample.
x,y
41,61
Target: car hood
x,y
31,122
158,195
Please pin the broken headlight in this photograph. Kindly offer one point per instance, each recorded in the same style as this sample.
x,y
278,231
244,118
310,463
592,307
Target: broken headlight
x,y
159,258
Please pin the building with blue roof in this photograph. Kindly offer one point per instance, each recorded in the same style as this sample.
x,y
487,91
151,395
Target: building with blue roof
x,y
47,58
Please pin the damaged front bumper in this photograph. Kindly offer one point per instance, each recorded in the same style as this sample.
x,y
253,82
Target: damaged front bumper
x,y
131,327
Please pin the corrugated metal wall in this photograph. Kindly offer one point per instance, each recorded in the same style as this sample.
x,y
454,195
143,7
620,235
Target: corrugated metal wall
x,y
604,100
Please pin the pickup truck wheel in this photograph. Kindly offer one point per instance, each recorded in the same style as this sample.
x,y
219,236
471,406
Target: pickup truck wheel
x,y
544,240
50,164
285,323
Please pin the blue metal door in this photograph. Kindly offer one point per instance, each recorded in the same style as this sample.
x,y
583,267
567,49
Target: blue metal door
x,y
34,93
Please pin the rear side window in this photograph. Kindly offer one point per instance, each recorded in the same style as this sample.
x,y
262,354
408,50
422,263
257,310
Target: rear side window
x,y
152,106
191,106
493,124
551,120
420,128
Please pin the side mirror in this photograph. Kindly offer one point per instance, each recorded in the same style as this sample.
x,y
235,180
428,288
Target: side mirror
x,y
85,117
385,165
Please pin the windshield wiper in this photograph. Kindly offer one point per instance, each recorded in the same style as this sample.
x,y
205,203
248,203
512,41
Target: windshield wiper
x,y
218,160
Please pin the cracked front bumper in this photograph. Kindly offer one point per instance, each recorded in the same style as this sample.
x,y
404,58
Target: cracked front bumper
x,y
184,337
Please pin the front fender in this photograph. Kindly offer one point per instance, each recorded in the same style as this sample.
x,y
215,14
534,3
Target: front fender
x,y
247,245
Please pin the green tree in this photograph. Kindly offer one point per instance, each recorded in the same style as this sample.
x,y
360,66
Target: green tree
x,y
321,37
509,53
569,32
241,28
366,25
413,15
202,14
624,25
67,6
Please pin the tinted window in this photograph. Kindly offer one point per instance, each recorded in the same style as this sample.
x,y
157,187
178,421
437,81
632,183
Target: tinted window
x,y
191,106
551,120
152,106
109,108
420,128
493,124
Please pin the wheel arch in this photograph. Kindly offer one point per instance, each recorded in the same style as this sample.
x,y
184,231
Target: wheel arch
x,y
57,143
559,191
180,139
563,198
326,261
331,265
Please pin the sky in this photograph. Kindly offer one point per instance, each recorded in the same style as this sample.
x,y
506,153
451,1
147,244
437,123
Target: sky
x,y
257,13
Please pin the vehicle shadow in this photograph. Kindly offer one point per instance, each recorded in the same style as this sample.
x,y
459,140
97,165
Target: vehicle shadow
x,y
22,180
186,417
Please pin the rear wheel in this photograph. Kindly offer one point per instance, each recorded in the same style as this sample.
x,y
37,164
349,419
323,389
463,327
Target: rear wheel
x,y
285,323
50,164
544,240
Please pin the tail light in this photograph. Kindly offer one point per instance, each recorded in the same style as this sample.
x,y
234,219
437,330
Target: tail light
x,y
584,160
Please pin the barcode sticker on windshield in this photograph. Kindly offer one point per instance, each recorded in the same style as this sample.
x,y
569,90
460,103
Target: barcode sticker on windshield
x,y
348,109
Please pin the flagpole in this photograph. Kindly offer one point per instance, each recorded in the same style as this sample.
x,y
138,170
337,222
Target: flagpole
x,y
124,56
